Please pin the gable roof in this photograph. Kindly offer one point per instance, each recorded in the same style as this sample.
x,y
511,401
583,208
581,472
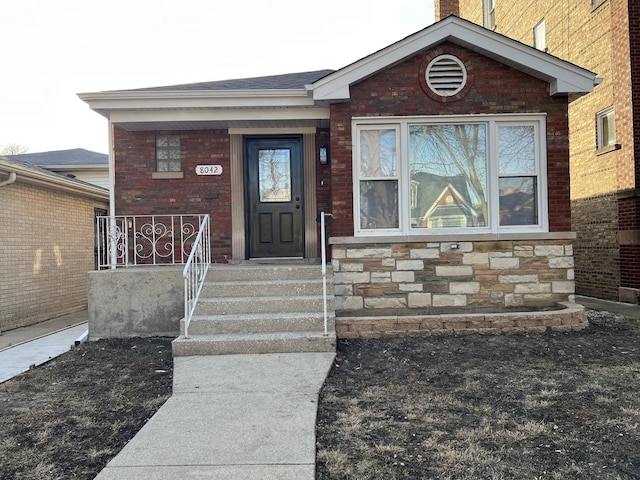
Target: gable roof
x,y
302,99
76,157
563,77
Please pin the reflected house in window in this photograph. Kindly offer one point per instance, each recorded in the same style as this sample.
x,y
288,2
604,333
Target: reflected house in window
x,y
441,202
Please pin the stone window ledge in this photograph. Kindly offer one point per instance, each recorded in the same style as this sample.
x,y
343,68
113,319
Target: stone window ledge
x,y
166,175
482,237
608,149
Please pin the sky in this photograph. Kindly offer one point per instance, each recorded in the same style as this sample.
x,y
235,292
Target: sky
x,y
53,50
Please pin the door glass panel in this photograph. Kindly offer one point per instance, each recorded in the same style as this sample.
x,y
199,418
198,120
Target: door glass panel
x,y
274,171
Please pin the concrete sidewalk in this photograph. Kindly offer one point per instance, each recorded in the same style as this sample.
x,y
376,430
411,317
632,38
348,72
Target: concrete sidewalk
x,y
243,417
24,347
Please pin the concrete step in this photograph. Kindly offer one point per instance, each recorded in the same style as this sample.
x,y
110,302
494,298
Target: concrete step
x,y
260,323
257,288
249,305
228,344
228,273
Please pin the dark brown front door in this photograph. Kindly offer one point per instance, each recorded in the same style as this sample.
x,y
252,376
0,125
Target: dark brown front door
x,y
275,206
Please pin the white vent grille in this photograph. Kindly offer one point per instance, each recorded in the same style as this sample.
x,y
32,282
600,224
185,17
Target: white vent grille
x,y
446,75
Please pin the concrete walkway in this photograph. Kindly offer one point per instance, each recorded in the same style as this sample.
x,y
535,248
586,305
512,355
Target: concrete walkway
x,y
243,417
22,348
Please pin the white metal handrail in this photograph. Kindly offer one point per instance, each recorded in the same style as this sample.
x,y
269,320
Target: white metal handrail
x,y
323,250
143,240
195,271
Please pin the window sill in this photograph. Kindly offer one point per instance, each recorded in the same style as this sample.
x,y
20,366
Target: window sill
x,y
478,237
166,175
597,5
608,149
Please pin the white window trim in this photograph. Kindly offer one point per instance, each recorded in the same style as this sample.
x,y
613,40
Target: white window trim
x,y
600,116
489,14
404,186
540,36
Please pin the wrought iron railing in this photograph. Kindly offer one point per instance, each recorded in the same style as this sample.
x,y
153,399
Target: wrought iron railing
x,y
143,240
195,271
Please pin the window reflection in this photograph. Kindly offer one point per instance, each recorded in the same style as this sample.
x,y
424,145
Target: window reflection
x,y
274,170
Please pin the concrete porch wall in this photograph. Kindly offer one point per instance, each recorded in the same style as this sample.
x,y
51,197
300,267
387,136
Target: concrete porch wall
x,y
135,302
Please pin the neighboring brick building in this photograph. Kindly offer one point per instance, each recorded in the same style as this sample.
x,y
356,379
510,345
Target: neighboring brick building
x,y
443,158
47,240
603,36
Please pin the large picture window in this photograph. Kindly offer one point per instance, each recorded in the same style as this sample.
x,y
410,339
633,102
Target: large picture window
x,y
430,175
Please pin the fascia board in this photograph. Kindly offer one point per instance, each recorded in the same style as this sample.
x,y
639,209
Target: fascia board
x,y
204,115
33,177
125,100
563,76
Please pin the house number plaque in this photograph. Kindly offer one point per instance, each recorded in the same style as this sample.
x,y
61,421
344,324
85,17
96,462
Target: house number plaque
x,y
209,170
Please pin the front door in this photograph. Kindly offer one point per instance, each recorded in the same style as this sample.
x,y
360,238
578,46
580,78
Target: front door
x,y
274,196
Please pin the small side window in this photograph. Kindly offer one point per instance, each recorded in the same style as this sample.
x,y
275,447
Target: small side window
x,y
606,128
540,36
168,153
489,13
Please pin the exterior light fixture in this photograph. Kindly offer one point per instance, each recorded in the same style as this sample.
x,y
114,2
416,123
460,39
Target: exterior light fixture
x,y
324,155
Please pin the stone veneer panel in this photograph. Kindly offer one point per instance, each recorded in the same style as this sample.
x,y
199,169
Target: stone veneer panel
x,y
429,277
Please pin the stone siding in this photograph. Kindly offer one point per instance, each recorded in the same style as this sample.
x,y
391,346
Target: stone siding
x,y
426,277
569,317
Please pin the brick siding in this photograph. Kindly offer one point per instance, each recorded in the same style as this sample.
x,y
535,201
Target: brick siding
x,y
137,193
604,38
45,254
495,88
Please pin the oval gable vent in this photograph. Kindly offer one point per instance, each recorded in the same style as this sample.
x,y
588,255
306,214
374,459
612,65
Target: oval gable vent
x,y
446,75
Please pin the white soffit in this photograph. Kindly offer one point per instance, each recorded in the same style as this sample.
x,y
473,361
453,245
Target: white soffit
x,y
563,77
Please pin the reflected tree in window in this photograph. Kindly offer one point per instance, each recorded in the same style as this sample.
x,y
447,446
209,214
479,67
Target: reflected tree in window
x,y
517,184
379,184
448,164
274,168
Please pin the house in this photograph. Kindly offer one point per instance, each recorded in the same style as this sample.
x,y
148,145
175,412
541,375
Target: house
x,y
604,143
47,242
85,165
479,115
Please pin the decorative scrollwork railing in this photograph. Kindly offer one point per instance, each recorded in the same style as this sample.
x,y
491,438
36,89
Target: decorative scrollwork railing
x,y
134,240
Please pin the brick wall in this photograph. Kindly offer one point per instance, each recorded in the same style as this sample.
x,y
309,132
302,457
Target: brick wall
x,y
444,8
495,88
137,193
46,250
604,38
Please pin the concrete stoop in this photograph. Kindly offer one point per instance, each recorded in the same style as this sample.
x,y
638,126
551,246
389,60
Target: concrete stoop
x,y
260,309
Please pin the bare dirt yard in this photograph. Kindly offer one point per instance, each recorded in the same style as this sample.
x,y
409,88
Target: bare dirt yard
x,y
67,418
543,406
